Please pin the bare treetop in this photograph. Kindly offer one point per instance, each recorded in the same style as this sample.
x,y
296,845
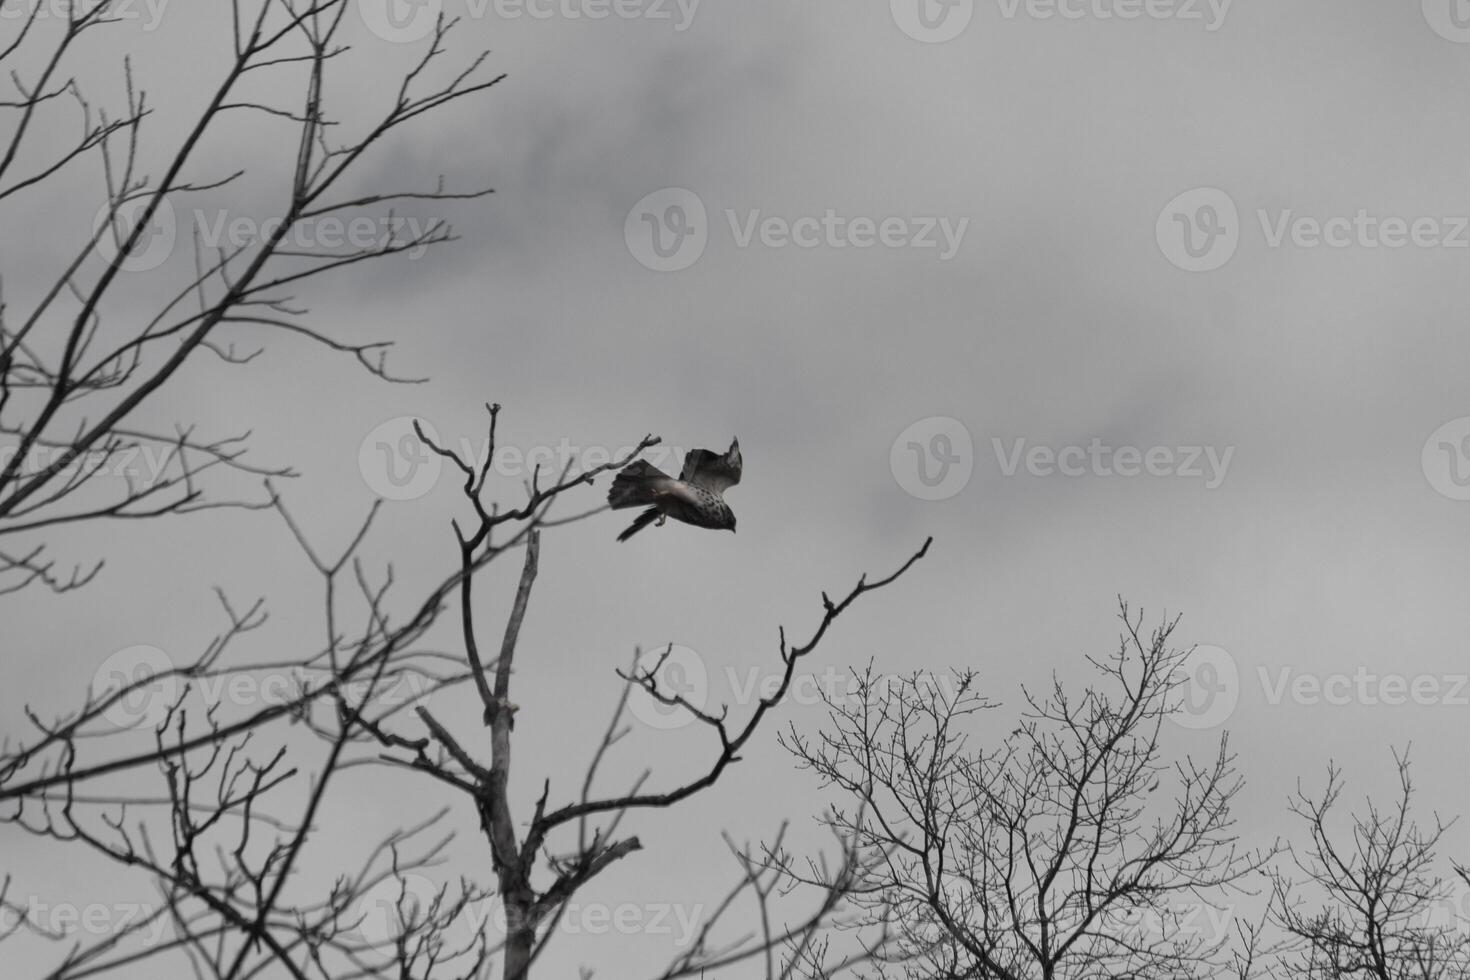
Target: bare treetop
x,y
1072,849
75,373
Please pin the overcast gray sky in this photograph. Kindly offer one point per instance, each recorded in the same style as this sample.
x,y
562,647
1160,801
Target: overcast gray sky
x,y
1166,306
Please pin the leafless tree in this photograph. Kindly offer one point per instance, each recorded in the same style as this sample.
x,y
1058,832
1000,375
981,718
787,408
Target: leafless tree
x,y
74,377
591,822
217,805
1368,898
223,870
1075,849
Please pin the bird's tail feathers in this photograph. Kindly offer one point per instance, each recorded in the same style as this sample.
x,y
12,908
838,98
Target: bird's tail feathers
x,y
636,485
639,523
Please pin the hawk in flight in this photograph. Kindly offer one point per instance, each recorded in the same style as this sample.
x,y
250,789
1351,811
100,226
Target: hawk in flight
x,y
697,497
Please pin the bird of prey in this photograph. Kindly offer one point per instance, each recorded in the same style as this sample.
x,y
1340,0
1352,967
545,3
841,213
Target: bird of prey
x,y
696,497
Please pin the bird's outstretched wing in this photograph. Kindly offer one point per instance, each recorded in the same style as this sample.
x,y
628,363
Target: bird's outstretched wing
x,y
711,470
